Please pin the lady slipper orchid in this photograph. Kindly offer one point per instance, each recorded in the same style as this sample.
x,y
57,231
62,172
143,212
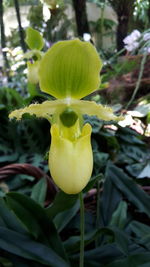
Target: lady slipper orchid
x,y
35,42
69,71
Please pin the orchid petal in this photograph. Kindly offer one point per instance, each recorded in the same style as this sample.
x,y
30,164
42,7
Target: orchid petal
x,y
91,108
45,110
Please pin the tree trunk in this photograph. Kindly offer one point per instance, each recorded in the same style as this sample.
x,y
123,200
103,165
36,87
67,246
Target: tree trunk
x,y
81,17
21,32
3,40
124,10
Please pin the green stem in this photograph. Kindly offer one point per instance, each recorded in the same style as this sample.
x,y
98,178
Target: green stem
x,y
143,61
81,230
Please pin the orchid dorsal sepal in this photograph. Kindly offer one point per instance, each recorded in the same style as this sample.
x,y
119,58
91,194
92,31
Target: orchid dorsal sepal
x,y
34,39
70,69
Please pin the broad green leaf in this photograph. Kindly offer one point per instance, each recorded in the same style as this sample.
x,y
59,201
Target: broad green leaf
x,y
61,203
103,254
34,39
70,69
109,201
39,191
119,216
7,154
142,232
63,218
8,219
5,262
34,217
92,182
129,136
121,239
134,152
25,215
137,260
21,262
129,188
135,169
23,246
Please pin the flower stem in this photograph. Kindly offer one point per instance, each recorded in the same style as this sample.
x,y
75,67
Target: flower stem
x,y
143,61
81,230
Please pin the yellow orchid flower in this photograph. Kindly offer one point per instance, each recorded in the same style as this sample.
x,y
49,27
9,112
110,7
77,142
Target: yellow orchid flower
x,y
35,42
69,71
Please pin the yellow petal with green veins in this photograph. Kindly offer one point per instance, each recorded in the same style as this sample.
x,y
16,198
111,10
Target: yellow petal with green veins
x,y
70,69
71,163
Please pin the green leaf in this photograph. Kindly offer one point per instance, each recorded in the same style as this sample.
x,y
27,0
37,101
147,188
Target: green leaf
x,y
70,69
34,39
121,239
34,217
7,154
142,231
119,216
61,203
129,188
109,201
23,246
5,262
39,191
139,260
135,169
63,218
92,182
104,254
9,219
129,136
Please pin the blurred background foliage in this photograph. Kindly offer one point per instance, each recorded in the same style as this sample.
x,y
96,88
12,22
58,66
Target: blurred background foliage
x,y
117,201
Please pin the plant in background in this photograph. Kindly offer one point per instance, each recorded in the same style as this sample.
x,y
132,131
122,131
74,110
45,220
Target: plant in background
x,y
53,4
131,41
42,233
141,12
137,42
35,42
